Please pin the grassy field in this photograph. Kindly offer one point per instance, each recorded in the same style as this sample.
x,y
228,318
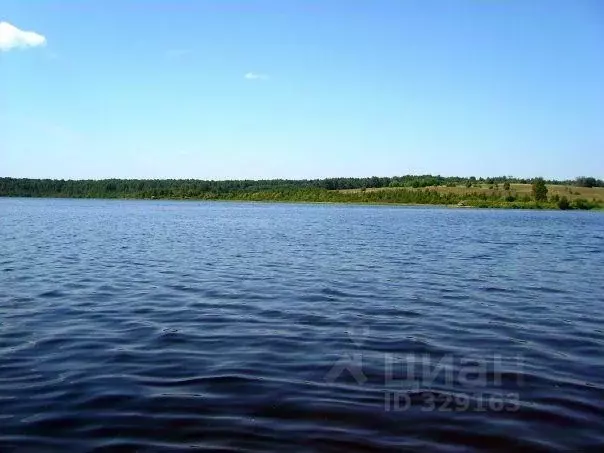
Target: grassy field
x,y
595,194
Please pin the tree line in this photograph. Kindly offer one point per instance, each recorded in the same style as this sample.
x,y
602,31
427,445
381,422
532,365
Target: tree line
x,y
411,189
193,187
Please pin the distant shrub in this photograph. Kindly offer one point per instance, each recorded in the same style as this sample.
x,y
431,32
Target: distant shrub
x,y
555,198
506,185
581,203
539,189
469,184
510,198
563,203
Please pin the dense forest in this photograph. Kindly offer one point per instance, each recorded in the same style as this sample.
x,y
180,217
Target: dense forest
x,y
411,189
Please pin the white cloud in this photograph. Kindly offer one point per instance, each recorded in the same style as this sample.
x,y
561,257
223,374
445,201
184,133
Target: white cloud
x,y
255,76
11,38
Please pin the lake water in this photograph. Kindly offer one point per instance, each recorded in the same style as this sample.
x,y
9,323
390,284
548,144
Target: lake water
x,y
162,326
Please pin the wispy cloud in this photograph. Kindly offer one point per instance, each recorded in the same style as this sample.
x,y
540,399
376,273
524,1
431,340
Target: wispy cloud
x,y
13,38
256,76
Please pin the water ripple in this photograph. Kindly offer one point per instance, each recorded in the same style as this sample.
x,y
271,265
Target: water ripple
x,y
255,327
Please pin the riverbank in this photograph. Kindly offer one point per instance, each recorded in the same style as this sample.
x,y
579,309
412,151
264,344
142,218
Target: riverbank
x,y
251,198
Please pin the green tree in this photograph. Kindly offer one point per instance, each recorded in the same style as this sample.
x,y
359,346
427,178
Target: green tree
x,y
506,185
588,181
539,189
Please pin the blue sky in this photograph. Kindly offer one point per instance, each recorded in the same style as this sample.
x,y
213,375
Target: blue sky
x,y
158,88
